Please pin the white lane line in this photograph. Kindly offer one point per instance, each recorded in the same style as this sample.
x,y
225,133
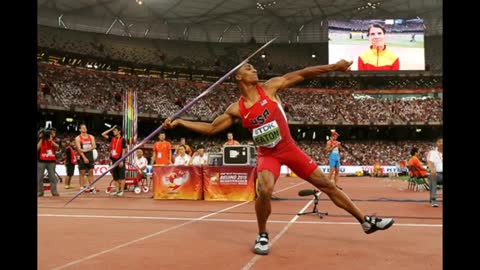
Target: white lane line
x,y
280,234
232,220
158,233
145,237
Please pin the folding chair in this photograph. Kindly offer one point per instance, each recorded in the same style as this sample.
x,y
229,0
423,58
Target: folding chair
x,y
416,181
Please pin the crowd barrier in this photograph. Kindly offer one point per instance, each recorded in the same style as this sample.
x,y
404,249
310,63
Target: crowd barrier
x,y
99,169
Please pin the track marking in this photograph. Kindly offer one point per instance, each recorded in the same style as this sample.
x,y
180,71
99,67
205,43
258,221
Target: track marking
x,y
146,237
229,220
159,232
280,234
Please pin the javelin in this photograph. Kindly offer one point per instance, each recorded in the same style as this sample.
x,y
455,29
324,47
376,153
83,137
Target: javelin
x,y
176,115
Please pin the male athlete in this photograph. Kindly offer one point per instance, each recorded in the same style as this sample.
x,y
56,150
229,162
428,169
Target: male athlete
x,y
333,148
260,111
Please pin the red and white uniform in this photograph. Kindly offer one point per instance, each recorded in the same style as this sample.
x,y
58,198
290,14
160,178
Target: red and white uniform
x,y
268,124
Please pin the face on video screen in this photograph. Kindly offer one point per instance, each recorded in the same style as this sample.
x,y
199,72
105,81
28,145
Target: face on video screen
x,y
378,45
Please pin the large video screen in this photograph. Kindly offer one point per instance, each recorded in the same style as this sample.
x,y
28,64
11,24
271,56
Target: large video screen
x,y
393,44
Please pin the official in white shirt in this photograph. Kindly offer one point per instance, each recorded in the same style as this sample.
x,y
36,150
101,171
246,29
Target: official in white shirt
x,y
182,158
435,165
199,158
141,162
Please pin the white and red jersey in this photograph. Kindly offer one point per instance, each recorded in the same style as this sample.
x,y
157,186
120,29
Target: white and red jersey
x,y
86,143
267,122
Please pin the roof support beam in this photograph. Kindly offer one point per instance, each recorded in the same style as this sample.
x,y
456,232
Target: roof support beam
x,y
60,22
110,28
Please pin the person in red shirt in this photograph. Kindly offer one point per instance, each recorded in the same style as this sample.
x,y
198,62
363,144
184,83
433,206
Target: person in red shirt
x,y
118,148
259,109
46,160
162,154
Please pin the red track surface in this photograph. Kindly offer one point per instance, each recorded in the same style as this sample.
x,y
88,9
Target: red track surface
x,y
97,231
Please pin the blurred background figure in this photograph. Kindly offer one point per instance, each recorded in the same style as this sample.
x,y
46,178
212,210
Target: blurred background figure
x,y
71,157
230,140
199,158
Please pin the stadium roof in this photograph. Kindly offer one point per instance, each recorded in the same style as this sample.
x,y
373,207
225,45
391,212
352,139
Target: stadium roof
x,y
230,20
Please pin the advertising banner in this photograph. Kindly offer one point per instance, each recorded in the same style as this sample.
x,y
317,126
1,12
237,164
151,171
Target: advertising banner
x,y
229,183
177,182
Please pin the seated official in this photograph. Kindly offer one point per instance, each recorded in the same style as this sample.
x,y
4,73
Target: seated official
x,y
415,162
182,158
199,158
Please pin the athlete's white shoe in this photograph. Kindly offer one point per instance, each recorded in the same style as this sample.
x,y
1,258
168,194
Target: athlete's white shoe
x,y
261,244
373,224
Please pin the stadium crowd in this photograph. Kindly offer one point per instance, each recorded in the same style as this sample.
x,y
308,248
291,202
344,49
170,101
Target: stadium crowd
x,y
98,90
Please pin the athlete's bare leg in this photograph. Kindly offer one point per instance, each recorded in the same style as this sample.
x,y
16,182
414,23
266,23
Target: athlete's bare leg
x,y
263,207
90,176
330,174
81,178
320,180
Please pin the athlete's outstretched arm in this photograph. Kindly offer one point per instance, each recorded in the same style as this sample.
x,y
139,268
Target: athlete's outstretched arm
x,y
220,123
295,77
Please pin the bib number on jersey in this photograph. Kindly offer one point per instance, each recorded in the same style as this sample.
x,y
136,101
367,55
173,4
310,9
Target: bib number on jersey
x,y
267,135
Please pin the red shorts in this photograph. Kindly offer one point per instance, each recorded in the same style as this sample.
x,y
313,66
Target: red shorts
x,y
299,162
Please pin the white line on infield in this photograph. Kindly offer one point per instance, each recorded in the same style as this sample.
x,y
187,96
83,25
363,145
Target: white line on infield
x,y
159,232
231,220
280,234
